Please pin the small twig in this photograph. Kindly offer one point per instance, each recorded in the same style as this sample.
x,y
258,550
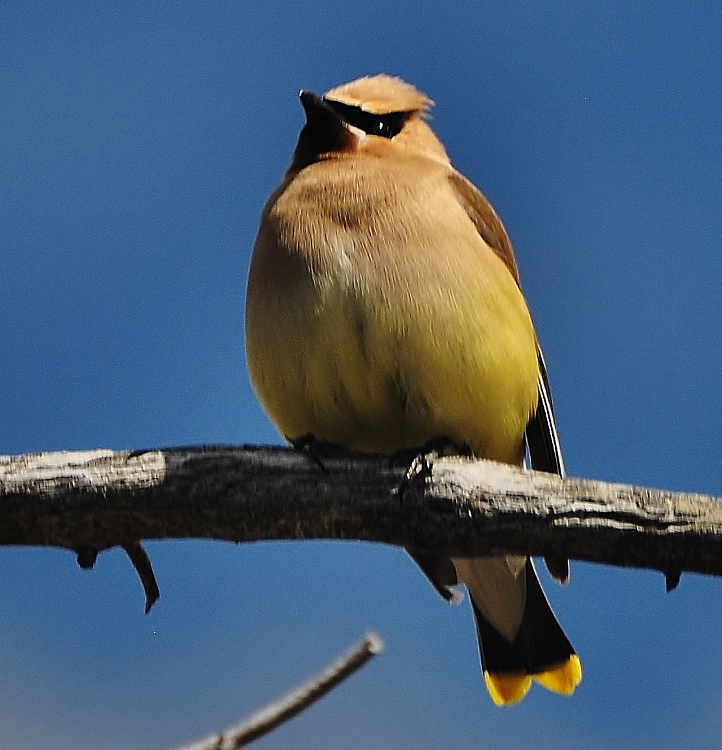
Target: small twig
x,y
671,578
86,557
143,567
286,708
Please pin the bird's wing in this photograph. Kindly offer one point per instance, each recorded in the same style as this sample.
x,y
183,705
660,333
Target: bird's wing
x,y
542,438
485,219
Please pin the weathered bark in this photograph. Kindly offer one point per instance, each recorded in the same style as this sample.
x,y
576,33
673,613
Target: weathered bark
x,y
93,500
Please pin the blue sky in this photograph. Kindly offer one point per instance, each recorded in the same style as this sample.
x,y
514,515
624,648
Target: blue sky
x,y
138,143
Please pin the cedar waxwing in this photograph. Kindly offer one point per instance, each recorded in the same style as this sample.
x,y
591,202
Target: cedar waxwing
x,y
384,312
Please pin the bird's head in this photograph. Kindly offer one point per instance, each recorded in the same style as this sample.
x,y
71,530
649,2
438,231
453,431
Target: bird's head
x,y
375,116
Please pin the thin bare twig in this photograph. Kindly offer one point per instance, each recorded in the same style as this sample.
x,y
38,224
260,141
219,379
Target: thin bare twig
x,y
286,708
144,568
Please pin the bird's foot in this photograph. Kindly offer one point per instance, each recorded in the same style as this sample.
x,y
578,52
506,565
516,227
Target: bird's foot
x,y
435,448
418,460
316,449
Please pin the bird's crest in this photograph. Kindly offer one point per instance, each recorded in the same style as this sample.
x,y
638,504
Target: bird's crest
x,y
382,94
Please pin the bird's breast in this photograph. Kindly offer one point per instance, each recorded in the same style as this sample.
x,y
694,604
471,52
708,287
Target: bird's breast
x,y
378,319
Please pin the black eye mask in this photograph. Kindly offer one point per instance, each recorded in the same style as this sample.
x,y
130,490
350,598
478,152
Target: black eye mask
x,y
385,126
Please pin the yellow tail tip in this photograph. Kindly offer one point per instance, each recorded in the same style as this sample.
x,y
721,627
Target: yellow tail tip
x,y
506,689
563,678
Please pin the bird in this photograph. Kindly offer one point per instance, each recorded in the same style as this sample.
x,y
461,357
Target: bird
x,y
384,313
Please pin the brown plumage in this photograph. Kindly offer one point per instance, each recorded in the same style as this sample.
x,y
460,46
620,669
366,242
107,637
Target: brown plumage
x,y
383,312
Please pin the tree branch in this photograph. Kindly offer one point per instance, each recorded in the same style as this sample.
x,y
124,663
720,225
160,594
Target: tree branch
x,y
267,719
93,500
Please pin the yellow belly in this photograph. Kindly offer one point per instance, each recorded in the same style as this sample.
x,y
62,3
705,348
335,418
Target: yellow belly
x,y
379,375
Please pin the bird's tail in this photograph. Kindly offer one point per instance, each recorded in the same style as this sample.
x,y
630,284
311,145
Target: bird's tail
x,y
540,650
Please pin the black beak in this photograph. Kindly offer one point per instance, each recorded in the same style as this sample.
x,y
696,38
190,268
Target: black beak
x,y
318,111
325,131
